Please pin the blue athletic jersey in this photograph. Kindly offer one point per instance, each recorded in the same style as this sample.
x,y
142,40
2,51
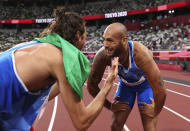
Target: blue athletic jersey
x,y
18,106
133,82
133,75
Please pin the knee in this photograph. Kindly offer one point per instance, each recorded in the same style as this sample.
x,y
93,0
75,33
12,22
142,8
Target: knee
x,y
113,126
116,126
147,112
119,119
118,106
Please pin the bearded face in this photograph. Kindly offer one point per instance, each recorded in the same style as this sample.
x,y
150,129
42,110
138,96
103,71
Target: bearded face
x,y
115,38
113,47
118,49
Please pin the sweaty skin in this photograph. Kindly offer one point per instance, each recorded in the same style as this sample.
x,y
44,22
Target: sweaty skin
x,y
41,64
116,44
32,67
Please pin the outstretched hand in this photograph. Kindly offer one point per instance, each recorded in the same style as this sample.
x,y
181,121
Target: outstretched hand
x,y
113,70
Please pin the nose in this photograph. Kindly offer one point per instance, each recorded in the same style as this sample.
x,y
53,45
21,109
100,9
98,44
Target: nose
x,y
106,43
106,47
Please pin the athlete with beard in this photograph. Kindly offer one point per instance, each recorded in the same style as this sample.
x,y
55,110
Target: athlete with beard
x,y
36,71
138,76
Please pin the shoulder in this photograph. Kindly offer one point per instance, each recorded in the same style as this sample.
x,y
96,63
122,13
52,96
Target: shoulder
x,y
53,54
46,53
101,52
141,49
43,58
101,60
142,55
101,57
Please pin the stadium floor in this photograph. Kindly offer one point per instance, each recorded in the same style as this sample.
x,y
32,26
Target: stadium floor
x,y
174,117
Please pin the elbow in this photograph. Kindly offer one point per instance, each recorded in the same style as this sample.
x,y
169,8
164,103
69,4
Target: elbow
x,y
164,93
163,96
92,90
82,125
50,97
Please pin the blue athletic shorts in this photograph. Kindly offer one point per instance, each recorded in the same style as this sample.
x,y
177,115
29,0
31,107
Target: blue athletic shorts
x,y
129,93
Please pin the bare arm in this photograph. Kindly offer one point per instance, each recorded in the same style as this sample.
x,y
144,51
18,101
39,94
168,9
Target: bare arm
x,y
99,64
148,65
54,91
82,116
156,82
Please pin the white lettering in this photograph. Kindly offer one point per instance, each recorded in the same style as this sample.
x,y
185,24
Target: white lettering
x,y
44,20
116,14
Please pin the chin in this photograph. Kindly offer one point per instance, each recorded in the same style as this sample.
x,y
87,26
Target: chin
x,y
116,54
110,54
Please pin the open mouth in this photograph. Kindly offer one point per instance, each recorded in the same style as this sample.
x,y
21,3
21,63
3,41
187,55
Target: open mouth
x,y
109,51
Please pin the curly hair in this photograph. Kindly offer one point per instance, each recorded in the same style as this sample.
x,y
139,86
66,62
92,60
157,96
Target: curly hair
x,y
66,24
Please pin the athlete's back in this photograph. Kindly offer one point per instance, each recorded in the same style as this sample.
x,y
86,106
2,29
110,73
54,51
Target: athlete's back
x,y
18,106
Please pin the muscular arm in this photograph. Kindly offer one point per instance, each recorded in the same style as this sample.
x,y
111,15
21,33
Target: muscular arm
x,y
148,65
156,82
54,91
99,64
81,116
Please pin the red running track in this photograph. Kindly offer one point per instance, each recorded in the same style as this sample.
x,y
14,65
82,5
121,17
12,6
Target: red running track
x,y
174,117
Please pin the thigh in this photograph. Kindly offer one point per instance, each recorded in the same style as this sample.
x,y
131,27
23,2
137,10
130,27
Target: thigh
x,y
144,94
125,94
122,105
4,126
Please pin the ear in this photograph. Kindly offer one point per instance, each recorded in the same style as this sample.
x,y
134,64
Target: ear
x,y
78,35
124,40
